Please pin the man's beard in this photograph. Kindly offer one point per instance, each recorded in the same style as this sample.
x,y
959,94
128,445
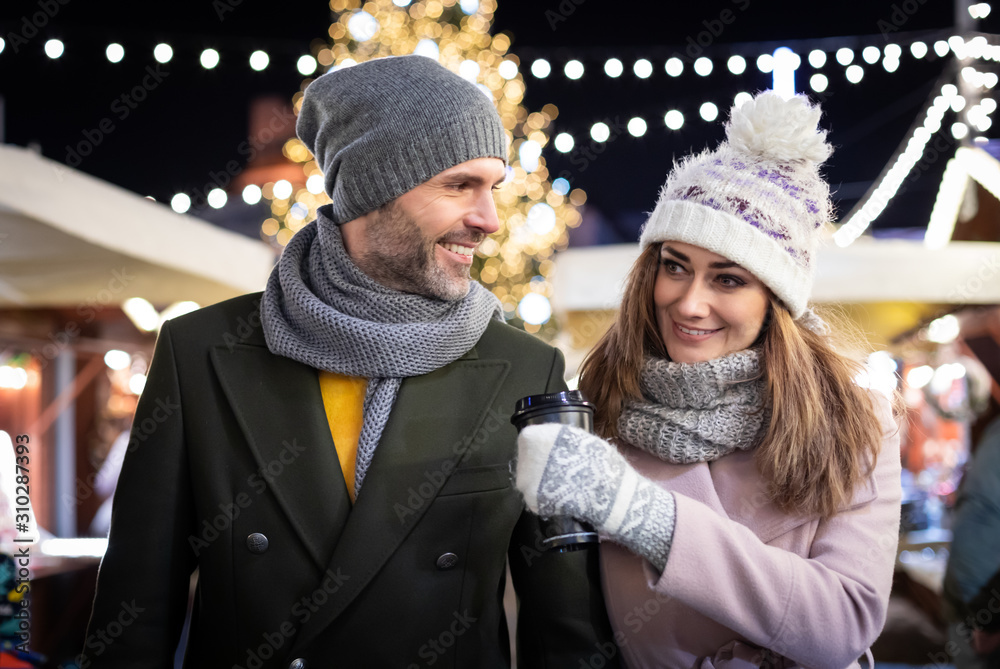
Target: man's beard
x,y
399,256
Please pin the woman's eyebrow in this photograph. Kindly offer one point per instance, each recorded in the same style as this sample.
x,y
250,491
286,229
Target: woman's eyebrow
x,y
715,265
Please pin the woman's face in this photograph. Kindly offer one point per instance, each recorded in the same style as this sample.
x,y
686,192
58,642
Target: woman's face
x,y
706,305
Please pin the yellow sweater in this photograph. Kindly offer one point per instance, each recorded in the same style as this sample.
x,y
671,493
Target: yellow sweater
x,y
344,401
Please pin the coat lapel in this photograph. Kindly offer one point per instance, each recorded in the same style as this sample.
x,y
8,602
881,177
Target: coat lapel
x,y
279,407
433,421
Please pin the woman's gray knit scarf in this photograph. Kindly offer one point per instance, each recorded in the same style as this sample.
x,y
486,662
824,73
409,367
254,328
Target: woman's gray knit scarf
x,y
320,309
697,412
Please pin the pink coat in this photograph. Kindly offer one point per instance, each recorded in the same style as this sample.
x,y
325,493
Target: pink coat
x,y
742,575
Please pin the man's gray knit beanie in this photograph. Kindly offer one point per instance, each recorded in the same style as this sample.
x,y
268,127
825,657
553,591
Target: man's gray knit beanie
x,y
385,126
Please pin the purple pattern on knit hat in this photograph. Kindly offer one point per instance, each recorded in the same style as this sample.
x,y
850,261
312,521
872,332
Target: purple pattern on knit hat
x,y
781,179
741,204
770,232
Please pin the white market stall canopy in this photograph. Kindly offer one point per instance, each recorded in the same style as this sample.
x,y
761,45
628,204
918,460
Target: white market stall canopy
x,y
869,270
68,238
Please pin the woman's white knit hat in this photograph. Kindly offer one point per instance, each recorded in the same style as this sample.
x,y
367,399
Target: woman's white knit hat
x,y
758,199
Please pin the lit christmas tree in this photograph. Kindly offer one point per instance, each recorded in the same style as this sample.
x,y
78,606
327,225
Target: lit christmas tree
x,y
516,261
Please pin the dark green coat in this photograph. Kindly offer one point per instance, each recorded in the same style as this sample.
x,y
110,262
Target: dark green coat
x,y
231,441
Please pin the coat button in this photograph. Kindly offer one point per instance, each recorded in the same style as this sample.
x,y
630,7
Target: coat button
x,y
297,664
257,543
447,561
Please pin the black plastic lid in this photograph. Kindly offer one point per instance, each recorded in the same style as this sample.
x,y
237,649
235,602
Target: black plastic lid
x,y
569,398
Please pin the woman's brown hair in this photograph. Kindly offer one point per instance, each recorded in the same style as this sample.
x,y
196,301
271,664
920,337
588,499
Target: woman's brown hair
x,y
824,432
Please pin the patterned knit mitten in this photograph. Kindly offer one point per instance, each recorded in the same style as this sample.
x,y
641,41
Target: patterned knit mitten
x,y
565,471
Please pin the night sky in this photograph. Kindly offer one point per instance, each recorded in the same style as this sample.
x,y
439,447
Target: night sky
x,y
191,121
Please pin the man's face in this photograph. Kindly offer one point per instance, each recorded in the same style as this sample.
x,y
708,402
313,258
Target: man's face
x,y
423,241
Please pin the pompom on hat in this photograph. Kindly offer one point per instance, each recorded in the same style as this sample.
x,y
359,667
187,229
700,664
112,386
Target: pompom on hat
x,y
758,199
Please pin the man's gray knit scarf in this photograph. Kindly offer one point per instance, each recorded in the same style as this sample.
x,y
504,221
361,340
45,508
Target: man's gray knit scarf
x,y
320,309
697,412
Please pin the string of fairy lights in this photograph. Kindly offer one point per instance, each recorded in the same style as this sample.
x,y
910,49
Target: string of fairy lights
x,y
536,212
209,58
889,56
574,69
818,82
949,99
850,60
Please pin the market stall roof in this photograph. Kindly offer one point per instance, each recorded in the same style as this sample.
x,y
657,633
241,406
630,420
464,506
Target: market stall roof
x,y
68,238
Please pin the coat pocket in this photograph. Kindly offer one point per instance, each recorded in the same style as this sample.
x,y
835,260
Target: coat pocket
x,y
477,479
